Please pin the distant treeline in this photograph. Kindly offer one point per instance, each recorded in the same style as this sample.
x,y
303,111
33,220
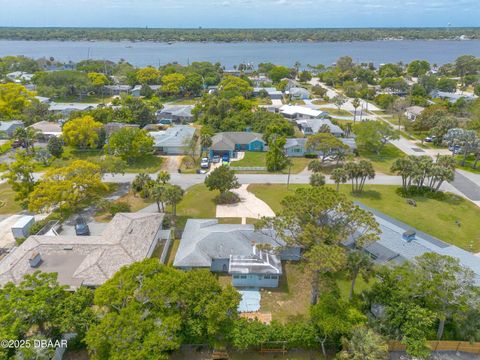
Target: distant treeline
x,y
228,35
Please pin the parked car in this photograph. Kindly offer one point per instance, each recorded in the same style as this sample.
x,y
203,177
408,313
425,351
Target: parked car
x,y
216,159
81,227
205,163
17,144
226,158
430,138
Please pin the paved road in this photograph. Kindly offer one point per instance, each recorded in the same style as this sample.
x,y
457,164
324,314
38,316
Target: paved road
x,y
466,186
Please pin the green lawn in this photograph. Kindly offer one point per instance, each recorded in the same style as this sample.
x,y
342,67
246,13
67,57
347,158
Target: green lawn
x,y
259,159
336,112
434,217
148,163
8,205
382,162
468,164
198,203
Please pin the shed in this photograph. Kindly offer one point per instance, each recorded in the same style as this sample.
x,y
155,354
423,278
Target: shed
x,y
22,227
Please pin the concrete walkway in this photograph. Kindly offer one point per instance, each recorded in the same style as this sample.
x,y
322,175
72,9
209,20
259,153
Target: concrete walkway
x,y
249,207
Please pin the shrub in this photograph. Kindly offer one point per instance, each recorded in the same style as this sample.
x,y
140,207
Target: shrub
x,y
227,198
119,207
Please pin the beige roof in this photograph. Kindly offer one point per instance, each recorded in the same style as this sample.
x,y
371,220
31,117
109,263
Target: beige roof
x,y
47,127
87,260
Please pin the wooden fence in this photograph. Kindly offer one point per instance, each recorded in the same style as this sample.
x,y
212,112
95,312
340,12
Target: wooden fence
x,y
464,346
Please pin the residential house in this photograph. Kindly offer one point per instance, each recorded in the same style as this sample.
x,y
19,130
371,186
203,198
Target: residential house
x,y
174,140
271,91
313,126
301,112
20,77
67,108
136,91
452,97
115,90
227,143
175,113
297,147
413,112
47,129
298,93
260,80
42,99
112,127
86,260
232,249
291,84
8,127
400,242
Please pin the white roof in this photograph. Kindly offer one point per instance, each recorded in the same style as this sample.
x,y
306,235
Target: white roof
x,y
301,110
22,222
71,106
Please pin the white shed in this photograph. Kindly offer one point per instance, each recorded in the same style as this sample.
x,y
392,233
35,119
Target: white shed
x,y
22,227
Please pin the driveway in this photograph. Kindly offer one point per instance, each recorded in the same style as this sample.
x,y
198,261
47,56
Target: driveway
x,y
172,163
249,207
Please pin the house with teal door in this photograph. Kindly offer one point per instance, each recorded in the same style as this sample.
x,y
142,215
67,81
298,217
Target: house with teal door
x,y
227,143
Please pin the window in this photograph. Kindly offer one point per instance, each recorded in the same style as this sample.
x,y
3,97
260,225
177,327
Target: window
x,y
235,276
266,276
243,276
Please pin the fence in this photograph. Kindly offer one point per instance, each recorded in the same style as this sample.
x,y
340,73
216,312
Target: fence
x,y
463,346
249,168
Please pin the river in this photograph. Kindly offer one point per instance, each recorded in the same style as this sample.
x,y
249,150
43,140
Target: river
x,y
229,54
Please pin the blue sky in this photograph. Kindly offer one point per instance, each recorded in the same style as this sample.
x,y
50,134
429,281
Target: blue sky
x,y
240,13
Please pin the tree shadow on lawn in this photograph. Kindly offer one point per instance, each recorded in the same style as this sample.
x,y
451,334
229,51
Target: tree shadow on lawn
x,y
366,194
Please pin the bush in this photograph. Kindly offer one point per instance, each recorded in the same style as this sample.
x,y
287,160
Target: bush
x,y
421,191
311,155
119,207
227,198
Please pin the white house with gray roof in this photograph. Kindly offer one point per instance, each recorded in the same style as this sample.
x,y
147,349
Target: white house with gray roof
x,y
232,248
174,140
313,126
175,113
86,260
301,112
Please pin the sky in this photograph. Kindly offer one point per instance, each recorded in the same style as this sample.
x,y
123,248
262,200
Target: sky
x,y
240,13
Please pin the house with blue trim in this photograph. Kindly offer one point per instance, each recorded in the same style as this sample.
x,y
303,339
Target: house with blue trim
x,y
227,143
234,249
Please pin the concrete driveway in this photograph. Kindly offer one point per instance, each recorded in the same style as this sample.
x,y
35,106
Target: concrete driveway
x,y
249,207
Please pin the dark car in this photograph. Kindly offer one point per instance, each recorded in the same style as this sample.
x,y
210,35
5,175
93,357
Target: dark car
x,y
17,144
81,227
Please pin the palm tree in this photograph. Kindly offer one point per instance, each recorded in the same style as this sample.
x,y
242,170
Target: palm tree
x,y
355,103
205,141
339,176
173,195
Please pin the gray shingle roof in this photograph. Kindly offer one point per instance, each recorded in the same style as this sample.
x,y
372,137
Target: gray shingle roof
x,y
316,124
174,136
205,239
391,242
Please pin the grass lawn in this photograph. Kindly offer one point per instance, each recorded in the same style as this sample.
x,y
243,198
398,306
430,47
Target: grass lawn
x,y
8,205
198,203
320,102
292,297
434,217
258,159
336,112
468,164
136,204
148,163
384,160
85,99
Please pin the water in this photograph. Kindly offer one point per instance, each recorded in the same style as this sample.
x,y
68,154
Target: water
x,y
229,54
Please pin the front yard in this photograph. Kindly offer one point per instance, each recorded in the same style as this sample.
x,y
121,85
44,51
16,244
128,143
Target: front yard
x,y
147,164
259,159
435,217
382,162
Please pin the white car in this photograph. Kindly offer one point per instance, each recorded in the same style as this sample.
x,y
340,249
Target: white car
x,y
205,164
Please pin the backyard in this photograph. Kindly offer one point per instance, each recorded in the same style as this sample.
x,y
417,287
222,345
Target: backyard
x,y
435,217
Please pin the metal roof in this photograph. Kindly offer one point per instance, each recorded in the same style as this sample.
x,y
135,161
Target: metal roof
x,y
174,136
